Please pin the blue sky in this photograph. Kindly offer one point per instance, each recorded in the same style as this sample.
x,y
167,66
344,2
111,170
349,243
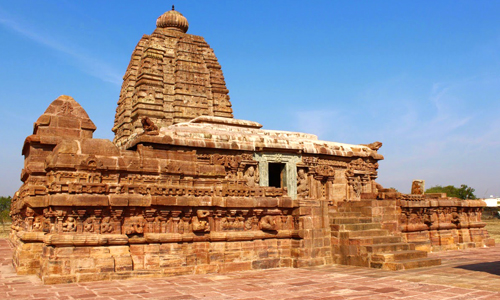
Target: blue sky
x,y
423,77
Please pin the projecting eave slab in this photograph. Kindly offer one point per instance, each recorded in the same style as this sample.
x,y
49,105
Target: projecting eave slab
x,y
233,134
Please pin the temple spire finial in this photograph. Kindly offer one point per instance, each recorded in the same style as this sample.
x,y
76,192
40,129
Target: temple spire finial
x,y
173,20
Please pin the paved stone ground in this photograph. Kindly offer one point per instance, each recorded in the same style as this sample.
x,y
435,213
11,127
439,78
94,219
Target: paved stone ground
x,y
465,274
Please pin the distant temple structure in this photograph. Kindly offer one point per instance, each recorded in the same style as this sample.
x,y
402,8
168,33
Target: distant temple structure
x,y
185,188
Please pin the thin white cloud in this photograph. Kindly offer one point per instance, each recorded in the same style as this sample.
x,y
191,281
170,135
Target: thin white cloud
x,y
438,92
89,65
432,138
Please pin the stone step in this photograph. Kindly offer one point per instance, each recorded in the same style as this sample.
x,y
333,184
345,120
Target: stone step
x,y
407,264
344,214
373,240
358,203
367,202
389,247
350,220
356,226
363,233
398,256
355,209
364,211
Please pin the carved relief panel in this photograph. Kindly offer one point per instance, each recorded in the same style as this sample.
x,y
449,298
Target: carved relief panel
x,y
139,221
360,175
302,183
439,218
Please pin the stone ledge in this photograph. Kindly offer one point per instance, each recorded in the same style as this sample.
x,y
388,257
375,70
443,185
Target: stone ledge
x,y
121,239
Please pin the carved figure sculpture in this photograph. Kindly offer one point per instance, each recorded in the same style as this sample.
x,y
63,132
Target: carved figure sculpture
x,y
200,222
106,226
252,223
69,225
302,184
267,223
88,225
427,217
418,187
374,146
356,186
37,225
251,177
200,225
148,126
47,226
135,225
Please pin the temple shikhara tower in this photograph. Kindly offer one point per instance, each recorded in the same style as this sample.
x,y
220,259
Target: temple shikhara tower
x,y
185,188
173,77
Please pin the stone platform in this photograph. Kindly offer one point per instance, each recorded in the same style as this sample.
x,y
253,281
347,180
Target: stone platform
x,y
464,274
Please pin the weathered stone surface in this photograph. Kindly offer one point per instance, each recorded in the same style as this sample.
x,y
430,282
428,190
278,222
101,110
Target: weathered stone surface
x,y
418,187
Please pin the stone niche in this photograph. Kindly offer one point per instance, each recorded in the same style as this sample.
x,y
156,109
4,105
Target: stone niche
x,y
279,170
185,188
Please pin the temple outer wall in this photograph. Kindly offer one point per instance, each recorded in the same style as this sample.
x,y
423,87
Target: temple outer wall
x,y
77,264
200,245
440,224
314,248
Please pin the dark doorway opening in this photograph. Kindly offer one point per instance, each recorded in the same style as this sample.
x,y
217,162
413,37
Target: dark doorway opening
x,y
276,177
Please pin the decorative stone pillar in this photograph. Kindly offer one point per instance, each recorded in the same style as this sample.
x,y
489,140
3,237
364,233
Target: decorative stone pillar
x,y
79,222
97,220
29,218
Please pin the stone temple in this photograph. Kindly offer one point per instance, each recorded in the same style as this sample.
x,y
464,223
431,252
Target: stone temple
x,y
185,188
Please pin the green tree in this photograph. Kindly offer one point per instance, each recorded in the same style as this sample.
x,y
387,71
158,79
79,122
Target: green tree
x,y
463,192
4,210
5,203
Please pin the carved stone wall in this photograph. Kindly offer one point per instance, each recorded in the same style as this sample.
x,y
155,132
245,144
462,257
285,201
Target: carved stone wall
x,y
436,224
340,179
82,243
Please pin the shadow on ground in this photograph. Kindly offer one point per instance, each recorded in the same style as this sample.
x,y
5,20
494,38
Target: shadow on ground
x,y
489,267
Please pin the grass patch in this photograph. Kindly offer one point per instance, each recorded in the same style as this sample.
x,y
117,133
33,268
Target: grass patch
x,y
493,227
4,230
